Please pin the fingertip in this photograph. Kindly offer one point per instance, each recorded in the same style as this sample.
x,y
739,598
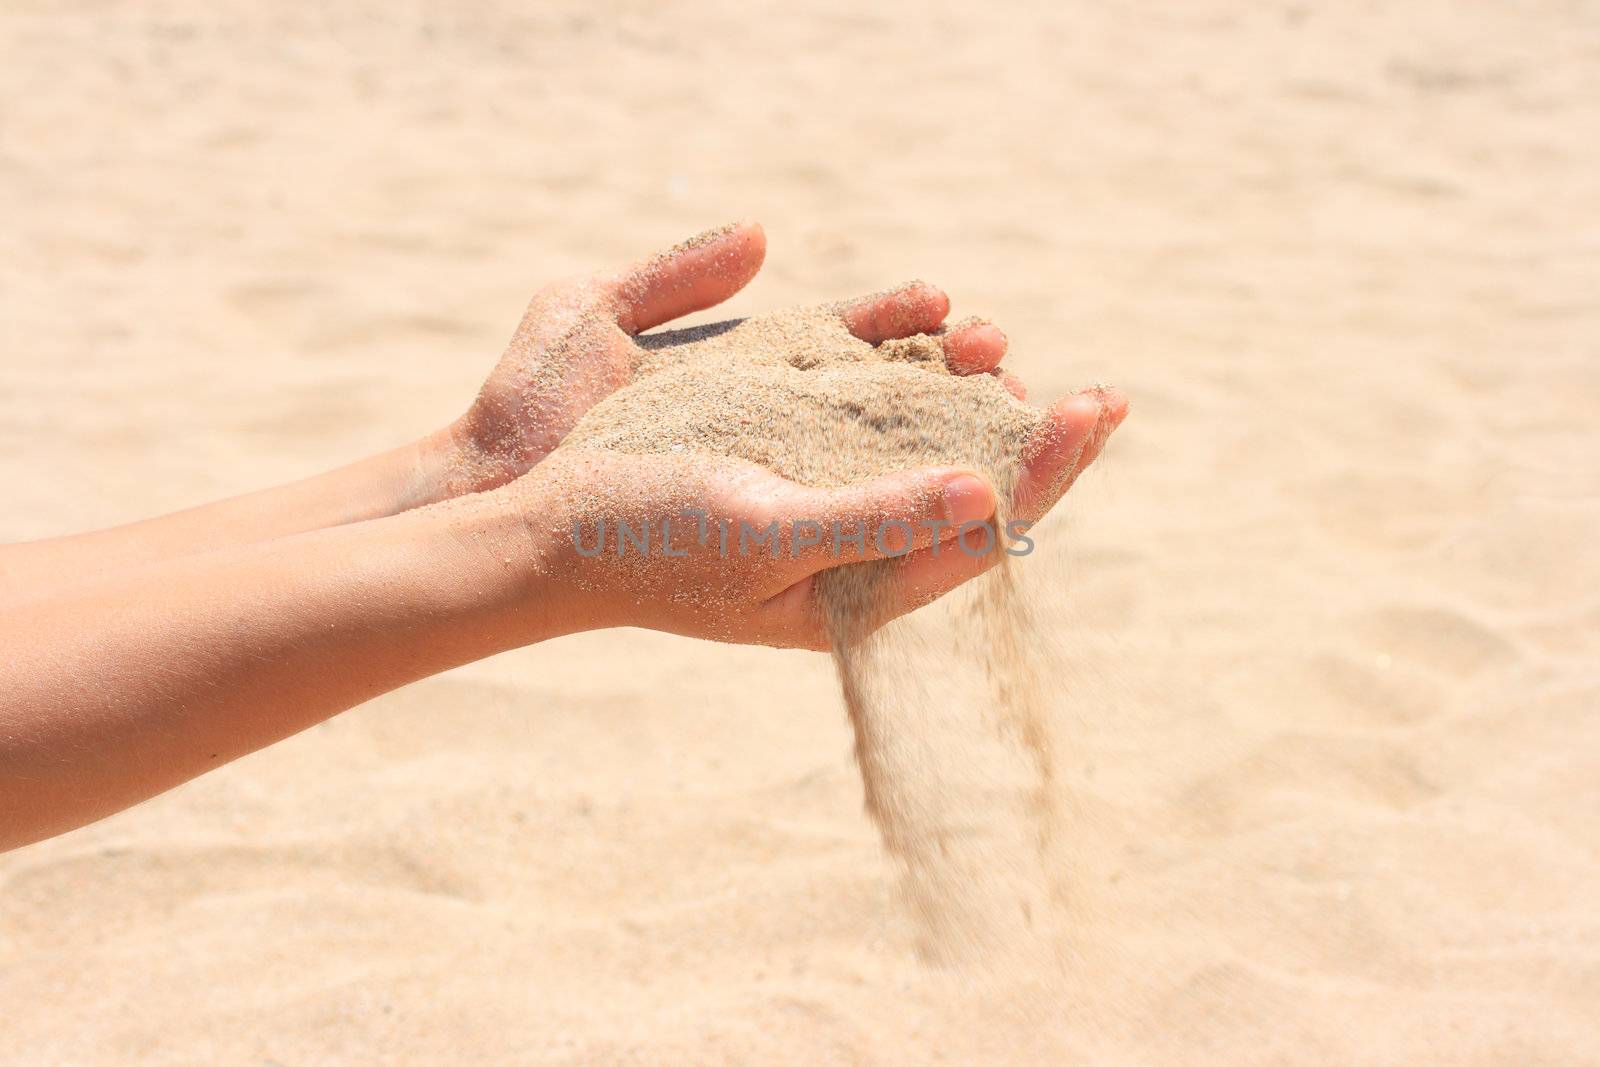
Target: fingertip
x,y
1053,451
1013,384
692,275
1069,437
751,237
1113,409
1066,425
1114,402
913,308
974,347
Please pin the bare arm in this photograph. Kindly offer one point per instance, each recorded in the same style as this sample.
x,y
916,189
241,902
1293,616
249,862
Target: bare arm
x,y
378,486
121,688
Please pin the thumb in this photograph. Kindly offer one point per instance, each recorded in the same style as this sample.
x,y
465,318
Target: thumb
x,y
696,274
890,516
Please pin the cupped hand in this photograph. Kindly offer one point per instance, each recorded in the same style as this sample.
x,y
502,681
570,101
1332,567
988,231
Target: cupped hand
x,y
727,550
576,345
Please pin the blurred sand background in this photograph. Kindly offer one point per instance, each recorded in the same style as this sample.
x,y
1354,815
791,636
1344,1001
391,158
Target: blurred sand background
x,y
1331,602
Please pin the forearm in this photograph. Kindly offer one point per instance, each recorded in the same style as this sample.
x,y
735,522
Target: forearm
x,y
125,687
386,484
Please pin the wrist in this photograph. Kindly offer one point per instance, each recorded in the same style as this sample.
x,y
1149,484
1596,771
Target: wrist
x,y
535,512
487,572
452,462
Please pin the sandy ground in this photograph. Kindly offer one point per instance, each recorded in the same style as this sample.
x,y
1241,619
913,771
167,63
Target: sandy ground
x,y
1331,605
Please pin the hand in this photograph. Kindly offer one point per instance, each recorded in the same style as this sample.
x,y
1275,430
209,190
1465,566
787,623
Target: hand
x,y
715,547
711,577
575,346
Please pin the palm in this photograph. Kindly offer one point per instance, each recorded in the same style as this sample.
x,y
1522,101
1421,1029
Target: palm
x,y
566,356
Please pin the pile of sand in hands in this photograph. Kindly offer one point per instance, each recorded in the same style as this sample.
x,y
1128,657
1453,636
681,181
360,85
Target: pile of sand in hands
x,y
959,787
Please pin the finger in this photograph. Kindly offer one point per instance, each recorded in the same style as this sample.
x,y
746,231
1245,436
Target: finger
x,y
797,620
888,517
973,347
701,272
1068,438
919,578
1012,383
913,308
1113,409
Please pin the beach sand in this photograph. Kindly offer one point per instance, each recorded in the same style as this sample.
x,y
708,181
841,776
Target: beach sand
x,y
1326,613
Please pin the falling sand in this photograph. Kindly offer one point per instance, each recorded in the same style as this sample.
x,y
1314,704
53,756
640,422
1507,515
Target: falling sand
x,y
958,778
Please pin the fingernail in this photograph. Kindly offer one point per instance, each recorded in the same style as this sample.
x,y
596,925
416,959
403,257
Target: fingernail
x,y
967,499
